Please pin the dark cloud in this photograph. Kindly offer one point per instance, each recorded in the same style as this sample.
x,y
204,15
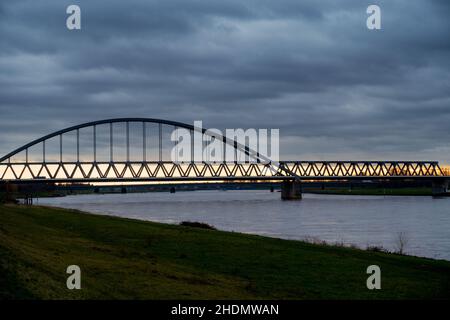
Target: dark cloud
x,y
310,68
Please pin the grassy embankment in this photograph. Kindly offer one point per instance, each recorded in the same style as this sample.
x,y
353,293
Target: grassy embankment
x,y
122,258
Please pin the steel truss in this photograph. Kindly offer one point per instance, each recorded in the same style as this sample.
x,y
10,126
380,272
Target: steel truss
x,y
162,171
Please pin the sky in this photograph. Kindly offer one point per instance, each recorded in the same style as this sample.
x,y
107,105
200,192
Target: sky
x,y
334,88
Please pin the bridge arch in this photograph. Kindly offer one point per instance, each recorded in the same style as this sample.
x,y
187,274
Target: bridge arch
x,y
92,171
251,153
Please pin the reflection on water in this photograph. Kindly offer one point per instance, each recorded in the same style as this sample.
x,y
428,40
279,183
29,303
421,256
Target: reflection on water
x,y
359,220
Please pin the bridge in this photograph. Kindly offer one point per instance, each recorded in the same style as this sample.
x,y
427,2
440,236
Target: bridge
x,y
136,150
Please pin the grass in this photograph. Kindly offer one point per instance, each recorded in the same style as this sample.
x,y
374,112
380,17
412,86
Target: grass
x,y
130,259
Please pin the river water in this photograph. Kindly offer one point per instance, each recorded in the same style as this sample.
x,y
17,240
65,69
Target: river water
x,y
358,220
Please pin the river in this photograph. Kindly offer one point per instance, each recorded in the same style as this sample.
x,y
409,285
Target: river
x,y
358,220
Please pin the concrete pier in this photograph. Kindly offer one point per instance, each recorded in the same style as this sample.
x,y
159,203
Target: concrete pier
x,y
440,187
291,190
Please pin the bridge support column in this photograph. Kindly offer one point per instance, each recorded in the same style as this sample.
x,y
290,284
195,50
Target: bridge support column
x,y
440,187
291,190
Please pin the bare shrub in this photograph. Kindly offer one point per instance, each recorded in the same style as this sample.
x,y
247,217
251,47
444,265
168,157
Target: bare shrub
x,y
200,225
314,240
317,241
376,249
401,242
353,246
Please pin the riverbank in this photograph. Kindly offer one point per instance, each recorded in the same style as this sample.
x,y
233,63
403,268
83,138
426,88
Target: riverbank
x,y
129,259
334,188
424,191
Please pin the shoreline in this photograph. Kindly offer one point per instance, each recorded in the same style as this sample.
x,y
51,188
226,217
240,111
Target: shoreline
x,y
148,260
306,239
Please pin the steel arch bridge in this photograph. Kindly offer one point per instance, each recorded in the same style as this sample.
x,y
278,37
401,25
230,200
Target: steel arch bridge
x,y
145,163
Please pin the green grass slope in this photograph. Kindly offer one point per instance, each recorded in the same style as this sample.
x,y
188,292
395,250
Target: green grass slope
x,y
129,259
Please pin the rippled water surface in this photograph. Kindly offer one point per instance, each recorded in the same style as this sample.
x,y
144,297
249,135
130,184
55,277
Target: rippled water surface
x,y
359,220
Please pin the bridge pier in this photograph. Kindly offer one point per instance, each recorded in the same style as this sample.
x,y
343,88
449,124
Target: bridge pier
x,y
291,190
440,187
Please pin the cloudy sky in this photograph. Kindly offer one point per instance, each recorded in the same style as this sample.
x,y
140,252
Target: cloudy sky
x,y
335,89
